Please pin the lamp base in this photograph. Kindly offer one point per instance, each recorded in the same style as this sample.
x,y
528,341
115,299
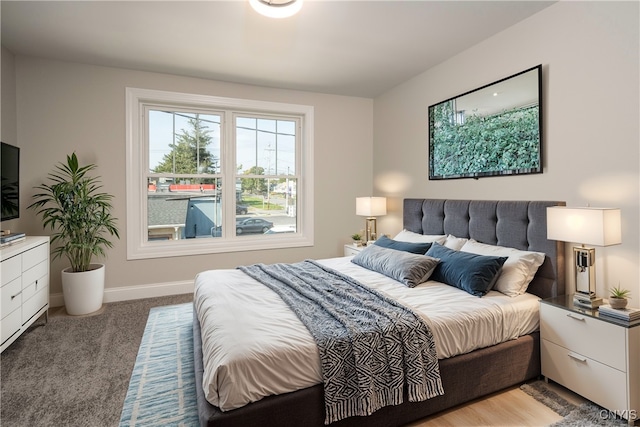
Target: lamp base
x,y
587,301
371,233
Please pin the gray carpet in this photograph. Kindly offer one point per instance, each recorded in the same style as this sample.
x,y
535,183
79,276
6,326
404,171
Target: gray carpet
x,y
584,415
75,371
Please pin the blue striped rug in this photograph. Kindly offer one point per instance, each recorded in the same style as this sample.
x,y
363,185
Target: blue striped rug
x,y
162,389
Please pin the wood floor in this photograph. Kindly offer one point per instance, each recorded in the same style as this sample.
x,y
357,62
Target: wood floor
x,y
511,407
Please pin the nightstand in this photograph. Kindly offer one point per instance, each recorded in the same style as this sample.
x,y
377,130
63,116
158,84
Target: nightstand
x,y
592,355
350,249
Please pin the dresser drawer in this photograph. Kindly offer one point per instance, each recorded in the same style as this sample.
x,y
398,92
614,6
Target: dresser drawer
x,y
10,269
34,256
595,339
10,297
597,382
11,325
34,273
34,286
31,306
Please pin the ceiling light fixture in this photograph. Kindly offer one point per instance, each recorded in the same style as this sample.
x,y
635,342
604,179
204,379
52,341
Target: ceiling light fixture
x,y
276,8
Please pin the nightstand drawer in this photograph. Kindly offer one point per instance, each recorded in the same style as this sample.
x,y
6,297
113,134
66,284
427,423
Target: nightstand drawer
x,y
597,382
595,339
350,250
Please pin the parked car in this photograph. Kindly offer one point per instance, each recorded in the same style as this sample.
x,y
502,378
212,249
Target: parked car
x,y
242,209
252,225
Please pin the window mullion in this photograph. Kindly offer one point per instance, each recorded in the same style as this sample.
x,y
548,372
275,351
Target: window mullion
x,y
229,171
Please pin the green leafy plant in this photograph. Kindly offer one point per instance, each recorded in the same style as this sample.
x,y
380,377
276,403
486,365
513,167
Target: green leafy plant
x,y
356,236
504,141
617,292
78,213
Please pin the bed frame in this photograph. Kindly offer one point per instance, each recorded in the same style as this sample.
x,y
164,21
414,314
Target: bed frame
x,y
518,224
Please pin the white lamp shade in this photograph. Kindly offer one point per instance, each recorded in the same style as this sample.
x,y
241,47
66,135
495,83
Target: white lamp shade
x,y
371,206
589,226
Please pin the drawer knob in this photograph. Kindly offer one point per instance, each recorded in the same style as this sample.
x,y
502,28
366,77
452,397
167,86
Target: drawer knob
x,y
577,357
576,317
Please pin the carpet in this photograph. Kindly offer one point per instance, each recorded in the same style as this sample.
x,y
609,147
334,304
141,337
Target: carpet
x,y
74,370
162,387
584,415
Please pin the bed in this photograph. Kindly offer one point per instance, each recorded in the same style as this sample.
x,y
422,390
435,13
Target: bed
x,y
514,224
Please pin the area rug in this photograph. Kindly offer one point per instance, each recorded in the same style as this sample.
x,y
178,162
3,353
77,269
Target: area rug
x,y
584,415
162,387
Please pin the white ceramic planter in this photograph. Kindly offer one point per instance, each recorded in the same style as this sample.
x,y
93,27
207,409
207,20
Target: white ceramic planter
x,y
83,292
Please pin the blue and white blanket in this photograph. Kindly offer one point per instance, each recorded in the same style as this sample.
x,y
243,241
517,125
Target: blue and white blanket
x,y
371,347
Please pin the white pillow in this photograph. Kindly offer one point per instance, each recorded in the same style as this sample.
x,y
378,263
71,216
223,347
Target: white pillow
x,y
455,243
410,236
517,271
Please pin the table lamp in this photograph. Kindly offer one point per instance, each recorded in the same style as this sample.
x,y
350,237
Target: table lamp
x,y
371,207
588,226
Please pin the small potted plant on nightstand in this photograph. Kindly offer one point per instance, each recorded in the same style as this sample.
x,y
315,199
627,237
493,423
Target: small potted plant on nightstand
x,y
357,239
618,297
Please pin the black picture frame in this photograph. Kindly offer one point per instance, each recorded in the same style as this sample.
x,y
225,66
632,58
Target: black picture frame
x,y
494,130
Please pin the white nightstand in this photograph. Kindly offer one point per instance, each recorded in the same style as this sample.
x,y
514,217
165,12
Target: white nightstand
x,y
350,249
594,356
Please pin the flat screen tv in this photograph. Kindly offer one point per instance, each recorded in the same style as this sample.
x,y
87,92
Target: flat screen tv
x,y
490,131
10,188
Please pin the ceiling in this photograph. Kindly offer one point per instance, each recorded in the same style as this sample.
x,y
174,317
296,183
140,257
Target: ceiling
x,y
356,48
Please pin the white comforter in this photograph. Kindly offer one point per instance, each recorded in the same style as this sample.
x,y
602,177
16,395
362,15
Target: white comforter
x,y
254,346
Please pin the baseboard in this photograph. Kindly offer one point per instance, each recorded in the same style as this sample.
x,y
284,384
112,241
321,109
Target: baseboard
x,y
126,293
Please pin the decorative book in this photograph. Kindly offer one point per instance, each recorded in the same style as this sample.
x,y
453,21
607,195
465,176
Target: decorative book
x,y
620,313
11,238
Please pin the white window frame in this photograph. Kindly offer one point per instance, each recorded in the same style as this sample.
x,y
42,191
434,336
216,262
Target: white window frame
x,y
138,246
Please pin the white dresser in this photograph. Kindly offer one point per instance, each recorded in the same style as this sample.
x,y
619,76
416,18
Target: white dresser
x,y
594,356
24,295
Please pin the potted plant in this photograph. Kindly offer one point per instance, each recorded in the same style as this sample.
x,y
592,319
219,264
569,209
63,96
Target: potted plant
x,y
618,297
357,239
79,214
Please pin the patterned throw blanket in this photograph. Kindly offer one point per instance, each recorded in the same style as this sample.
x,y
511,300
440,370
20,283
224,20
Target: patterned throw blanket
x,y
371,347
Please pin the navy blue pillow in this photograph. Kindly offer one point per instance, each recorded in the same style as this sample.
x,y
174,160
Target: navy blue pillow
x,y
473,273
414,248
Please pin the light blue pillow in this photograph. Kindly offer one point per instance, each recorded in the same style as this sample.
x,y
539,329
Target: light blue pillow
x,y
407,268
473,273
414,248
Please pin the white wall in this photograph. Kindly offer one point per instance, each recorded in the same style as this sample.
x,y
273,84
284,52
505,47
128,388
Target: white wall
x,y
64,107
589,52
8,120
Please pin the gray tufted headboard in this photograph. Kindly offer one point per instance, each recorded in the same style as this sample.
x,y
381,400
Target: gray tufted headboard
x,y
517,224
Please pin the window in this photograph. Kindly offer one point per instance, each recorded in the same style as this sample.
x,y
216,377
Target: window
x,y
208,174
